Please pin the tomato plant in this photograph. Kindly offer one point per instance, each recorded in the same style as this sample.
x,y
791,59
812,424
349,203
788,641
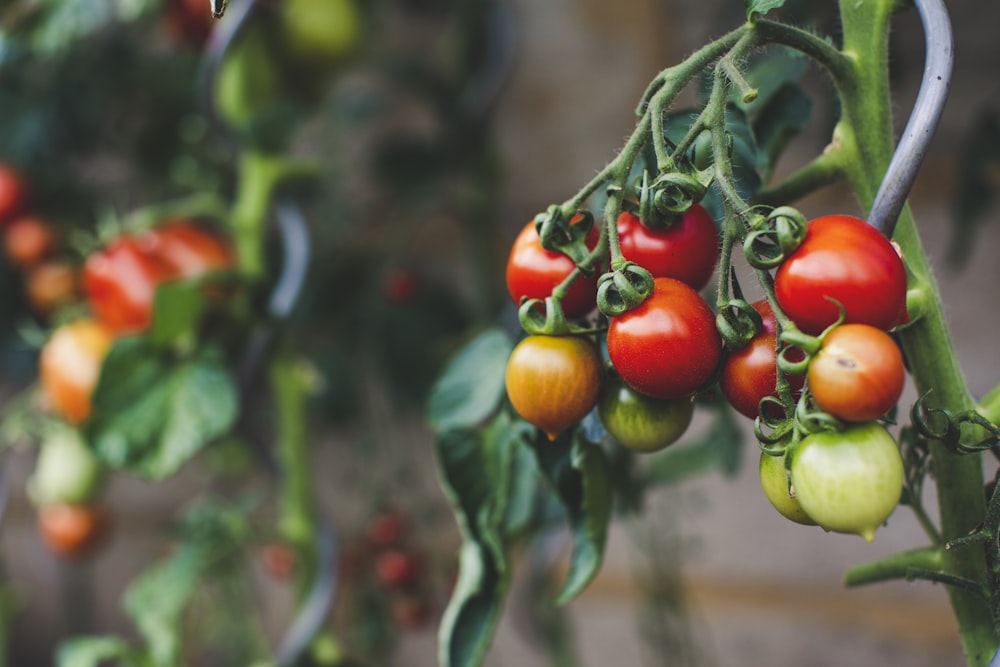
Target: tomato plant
x,y
28,239
533,272
69,367
848,481
13,194
777,488
687,249
186,248
554,381
120,281
844,261
52,284
751,373
858,374
668,347
639,422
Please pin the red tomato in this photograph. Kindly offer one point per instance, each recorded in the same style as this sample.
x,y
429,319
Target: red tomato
x,y
189,21
751,373
667,347
51,285
28,239
186,248
120,282
278,559
13,194
554,381
398,569
533,272
845,259
387,528
858,374
71,530
686,250
69,367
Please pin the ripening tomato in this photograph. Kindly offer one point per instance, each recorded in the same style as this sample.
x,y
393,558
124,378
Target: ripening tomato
x,y
686,250
120,282
554,381
774,482
186,248
71,530
642,423
13,194
667,347
396,568
70,365
66,471
28,239
533,272
848,481
51,285
751,373
845,259
858,374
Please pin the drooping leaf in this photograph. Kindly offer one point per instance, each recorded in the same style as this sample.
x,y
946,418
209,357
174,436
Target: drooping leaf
x,y
470,620
578,474
153,413
762,6
94,651
472,385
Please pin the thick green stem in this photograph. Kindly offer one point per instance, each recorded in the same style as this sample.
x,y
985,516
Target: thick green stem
x,y
296,519
865,136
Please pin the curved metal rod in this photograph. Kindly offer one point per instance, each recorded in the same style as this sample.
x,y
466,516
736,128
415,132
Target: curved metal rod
x,y
312,613
295,237
938,61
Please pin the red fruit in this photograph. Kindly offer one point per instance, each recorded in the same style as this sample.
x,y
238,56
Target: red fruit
x,y
398,569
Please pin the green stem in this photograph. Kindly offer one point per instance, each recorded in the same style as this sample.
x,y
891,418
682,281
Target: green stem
x,y
865,135
296,517
896,566
824,170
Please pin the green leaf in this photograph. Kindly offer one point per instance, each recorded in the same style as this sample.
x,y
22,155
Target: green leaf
x,y
787,113
157,599
472,385
762,7
578,473
152,413
177,308
93,651
470,620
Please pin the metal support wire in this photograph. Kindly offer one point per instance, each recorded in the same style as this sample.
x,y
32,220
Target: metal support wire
x,y
938,61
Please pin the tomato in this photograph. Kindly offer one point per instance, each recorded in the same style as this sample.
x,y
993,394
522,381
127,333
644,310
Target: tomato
x,y
774,482
71,530
120,282
848,481
28,239
186,249
387,528
667,347
398,569
321,30
554,381
751,373
189,21
278,558
400,286
51,285
70,365
66,470
686,250
13,194
533,272
858,374
845,259
639,422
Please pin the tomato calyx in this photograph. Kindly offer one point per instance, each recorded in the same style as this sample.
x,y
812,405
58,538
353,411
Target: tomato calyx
x,y
738,322
961,433
567,234
671,193
774,238
622,289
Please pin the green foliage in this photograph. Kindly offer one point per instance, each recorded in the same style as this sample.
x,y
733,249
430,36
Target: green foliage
x,y
96,651
755,7
471,387
153,412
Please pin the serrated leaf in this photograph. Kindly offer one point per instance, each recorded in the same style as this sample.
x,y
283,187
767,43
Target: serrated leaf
x,y
152,414
472,385
578,473
93,651
762,7
157,599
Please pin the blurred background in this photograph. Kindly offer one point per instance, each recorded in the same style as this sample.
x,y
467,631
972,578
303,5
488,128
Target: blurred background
x,y
440,127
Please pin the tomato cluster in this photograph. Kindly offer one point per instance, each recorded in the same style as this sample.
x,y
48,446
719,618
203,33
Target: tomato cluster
x,y
838,294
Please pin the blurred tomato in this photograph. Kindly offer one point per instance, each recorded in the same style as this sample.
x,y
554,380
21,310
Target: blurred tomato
x,y
186,248
70,365
51,285
71,530
13,194
120,282
28,239
189,21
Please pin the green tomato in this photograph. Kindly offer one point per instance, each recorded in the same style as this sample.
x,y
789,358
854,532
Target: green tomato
x,y
774,481
323,30
639,422
848,481
66,471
